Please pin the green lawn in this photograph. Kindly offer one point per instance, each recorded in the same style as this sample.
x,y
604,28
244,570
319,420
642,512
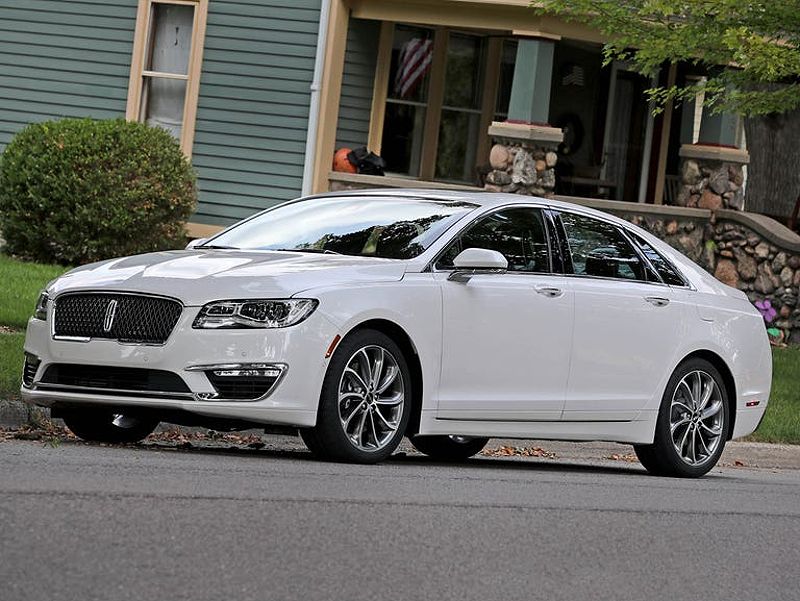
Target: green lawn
x,y
782,421
21,283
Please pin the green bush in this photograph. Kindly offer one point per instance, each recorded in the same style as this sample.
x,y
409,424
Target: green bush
x,y
77,190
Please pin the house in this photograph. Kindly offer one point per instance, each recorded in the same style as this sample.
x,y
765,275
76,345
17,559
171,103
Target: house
x,y
451,93
261,92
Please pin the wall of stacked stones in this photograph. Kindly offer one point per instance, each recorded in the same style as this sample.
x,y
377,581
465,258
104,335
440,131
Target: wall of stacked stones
x,y
738,256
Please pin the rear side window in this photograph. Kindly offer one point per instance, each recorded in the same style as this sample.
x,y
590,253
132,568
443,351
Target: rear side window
x,y
599,249
518,234
669,275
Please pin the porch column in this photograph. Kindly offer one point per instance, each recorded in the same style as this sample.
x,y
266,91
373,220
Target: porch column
x,y
711,171
530,87
523,156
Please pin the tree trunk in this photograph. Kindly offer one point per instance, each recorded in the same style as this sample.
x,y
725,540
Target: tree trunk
x,y
773,175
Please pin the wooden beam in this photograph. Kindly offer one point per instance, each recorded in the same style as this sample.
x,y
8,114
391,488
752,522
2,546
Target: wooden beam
x,y
380,87
330,94
663,145
433,113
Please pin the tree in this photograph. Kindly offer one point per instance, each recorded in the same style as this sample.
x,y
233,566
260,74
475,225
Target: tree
x,y
750,52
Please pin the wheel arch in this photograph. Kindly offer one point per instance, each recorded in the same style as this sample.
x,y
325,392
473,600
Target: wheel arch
x,y
406,344
727,378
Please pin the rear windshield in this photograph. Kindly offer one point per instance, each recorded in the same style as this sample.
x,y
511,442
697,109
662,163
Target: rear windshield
x,y
392,228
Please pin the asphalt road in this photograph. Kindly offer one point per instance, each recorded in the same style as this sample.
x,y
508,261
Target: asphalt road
x,y
89,522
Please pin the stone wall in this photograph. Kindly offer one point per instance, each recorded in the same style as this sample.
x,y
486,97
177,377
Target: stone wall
x,y
711,185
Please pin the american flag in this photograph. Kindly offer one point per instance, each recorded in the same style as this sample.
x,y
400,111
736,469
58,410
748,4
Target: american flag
x,y
415,60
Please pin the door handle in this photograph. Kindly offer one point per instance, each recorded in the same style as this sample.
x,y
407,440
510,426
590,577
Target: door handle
x,y
657,301
549,291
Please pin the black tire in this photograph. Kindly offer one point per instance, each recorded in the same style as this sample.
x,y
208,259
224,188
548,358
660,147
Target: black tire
x,y
662,458
114,428
328,439
449,448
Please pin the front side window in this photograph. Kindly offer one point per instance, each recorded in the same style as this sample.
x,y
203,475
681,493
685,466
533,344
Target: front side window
x,y
166,65
599,249
391,228
518,234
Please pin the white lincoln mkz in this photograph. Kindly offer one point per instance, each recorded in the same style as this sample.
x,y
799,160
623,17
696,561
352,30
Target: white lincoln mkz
x,y
446,317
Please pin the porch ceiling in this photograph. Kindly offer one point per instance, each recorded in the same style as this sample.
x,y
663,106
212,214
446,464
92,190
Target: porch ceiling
x,y
513,17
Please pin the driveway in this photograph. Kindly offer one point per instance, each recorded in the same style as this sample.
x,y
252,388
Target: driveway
x,y
90,522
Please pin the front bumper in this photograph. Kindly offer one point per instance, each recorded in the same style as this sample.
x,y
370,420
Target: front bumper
x,y
292,401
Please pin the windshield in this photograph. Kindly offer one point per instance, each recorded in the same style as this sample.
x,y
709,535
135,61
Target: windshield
x,y
392,228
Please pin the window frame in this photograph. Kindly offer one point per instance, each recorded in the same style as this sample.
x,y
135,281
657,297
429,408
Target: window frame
x,y
141,49
566,251
548,234
435,99
637,240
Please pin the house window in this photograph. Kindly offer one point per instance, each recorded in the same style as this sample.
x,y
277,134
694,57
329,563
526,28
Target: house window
x,y
435,114
165,68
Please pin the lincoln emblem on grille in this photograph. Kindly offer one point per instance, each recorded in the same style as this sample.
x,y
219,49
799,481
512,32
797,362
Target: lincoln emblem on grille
x,y
111,310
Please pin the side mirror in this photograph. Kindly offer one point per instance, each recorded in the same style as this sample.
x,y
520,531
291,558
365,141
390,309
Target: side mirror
x,y
472,261
195,242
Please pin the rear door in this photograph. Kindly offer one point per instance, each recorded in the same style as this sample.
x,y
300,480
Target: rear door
x,y
628,323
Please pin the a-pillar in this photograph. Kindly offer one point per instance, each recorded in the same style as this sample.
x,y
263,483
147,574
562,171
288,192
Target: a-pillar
x,y
523,157
712,168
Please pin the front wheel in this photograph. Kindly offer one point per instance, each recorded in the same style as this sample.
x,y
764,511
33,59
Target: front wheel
x,y
692,424
365,402
114,428
449,448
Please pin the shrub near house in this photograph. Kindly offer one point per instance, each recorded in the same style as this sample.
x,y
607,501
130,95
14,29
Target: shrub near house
x,y
77,190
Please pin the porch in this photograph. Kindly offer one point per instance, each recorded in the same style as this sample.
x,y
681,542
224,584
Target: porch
x,y
422,84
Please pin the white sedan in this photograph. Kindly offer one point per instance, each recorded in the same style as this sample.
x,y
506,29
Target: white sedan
x,y
448,317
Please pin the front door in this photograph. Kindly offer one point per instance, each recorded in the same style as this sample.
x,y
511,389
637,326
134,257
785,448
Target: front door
x,y
506,336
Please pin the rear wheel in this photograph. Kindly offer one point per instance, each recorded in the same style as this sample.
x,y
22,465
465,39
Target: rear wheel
x,y
449,448
115,428
692,423
365,402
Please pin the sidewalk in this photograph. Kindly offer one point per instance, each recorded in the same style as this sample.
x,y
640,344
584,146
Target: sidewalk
x,y
736,454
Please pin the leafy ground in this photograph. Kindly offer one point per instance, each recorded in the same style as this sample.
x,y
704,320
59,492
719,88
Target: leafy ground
x,y
21,283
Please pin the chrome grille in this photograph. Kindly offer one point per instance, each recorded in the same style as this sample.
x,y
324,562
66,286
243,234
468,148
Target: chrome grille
x,y
132,318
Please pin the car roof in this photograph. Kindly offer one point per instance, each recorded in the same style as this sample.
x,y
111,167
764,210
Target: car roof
x,y
478,197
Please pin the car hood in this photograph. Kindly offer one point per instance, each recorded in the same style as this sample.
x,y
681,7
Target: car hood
x,y
198,276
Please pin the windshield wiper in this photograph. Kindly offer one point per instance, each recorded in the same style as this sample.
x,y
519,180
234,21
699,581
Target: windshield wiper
x,y
217,247
319,251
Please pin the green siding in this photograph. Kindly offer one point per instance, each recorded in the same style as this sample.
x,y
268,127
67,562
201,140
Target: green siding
x,y
252,115
71,58
357,81
60,58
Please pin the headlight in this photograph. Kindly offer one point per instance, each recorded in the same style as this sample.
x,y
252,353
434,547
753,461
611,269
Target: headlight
x,y
255,313
40,312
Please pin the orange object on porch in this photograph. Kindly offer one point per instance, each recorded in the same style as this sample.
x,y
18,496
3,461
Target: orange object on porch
x,y
341,162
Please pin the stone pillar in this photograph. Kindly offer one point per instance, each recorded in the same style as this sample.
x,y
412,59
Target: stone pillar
x,y
523,157
711,169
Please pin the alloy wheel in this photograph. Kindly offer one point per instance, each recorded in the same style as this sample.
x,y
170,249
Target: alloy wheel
x,y
696,418
371,398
